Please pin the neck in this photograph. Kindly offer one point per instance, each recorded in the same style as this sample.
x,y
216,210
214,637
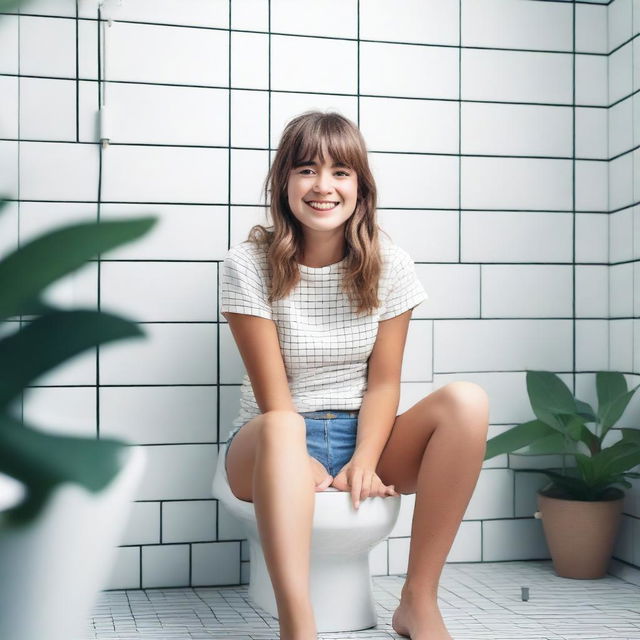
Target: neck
x,y
320,252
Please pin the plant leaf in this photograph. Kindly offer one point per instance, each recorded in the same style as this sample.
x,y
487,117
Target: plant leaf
x,y
517,437
52,339
43,461
585,410
553,444
549,396
609,386
631,435
26,272
613,411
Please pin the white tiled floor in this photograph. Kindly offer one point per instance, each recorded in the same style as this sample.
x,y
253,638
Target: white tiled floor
x,y
478,600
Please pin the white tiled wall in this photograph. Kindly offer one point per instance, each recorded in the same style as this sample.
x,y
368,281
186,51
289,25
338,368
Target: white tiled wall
x,y
499,168
624,232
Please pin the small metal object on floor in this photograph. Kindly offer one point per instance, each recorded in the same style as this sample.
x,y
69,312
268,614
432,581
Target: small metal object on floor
x,y
477,601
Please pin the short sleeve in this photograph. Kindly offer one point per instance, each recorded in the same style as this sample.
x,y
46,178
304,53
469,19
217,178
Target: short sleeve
x,y
242,288
404,290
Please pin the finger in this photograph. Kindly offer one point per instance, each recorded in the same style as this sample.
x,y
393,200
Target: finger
x,y
368,486
356,487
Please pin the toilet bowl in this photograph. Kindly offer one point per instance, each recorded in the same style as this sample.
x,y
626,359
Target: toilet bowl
x,y
340,580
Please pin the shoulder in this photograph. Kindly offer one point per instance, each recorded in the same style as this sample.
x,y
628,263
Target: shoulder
x,y
246,255
393,257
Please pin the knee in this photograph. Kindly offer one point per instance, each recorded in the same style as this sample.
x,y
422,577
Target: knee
x,y
280,424
469,401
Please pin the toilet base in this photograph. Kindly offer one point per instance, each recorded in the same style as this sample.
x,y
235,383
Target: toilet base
x,y
340,588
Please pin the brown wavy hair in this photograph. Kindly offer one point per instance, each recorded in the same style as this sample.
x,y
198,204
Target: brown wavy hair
x,y
303,139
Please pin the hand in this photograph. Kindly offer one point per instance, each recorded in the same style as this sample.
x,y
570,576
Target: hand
x,y
362,482
320,476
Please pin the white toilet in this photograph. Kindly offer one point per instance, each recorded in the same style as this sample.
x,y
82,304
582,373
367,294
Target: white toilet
x,y
340,582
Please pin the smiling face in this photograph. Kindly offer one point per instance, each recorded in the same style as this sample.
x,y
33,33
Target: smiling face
x,y
322,196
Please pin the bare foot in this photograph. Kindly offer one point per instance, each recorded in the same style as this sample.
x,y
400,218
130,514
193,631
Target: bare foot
x,y
419,620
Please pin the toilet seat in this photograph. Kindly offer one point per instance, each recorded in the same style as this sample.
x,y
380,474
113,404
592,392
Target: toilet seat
x,y
342,536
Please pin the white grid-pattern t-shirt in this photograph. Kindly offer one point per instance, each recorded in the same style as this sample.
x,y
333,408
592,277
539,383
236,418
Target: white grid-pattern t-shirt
x,y
325,346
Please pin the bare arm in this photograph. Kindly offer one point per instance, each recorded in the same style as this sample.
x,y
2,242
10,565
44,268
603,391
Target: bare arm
x,y
257,340
380,400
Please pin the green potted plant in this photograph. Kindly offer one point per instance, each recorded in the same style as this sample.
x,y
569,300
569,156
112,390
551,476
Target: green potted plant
x,y
580,507
64,500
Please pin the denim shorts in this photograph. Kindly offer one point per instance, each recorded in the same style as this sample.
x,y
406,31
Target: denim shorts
x,y
331,436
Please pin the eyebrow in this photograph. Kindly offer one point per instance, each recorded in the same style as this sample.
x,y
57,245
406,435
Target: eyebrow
x,y
311,163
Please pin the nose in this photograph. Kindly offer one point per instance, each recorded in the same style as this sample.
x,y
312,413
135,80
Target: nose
x,y
322,182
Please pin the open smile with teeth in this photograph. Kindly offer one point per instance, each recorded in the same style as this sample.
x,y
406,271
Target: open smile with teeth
x,y
322,206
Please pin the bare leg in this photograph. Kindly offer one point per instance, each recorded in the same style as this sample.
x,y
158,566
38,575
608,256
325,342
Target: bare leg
x,y
268,465
448,470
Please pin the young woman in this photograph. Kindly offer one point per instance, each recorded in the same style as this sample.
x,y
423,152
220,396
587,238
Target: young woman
x,y
319,305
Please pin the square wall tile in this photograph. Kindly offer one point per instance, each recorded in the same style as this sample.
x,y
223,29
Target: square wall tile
x,y
41,177
64,410
233,369
8,106
8,228
591,80
621,235
591,28
189,521
165,174
426,235
492,496
251,15
249,118
518,25
250,60
440,279
592,234
387,69
592,340
592,133
516,236
591,191
156,114
168,54
402,527
526,487
620,288
248,171
125,573
202,230
621,181
143,526
621,127
318,18
478,345
416,364
467,545
159,415
9,44
620,22
79,370
229,409
9,182
621,341
516,130
58,58
188,292
513,540
517,76
88,48
165,565
527,291
290,57
621,73
47,109
178,472
215,563
592,291
166,354
242,219
434,129
516,183
395,175
417,21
